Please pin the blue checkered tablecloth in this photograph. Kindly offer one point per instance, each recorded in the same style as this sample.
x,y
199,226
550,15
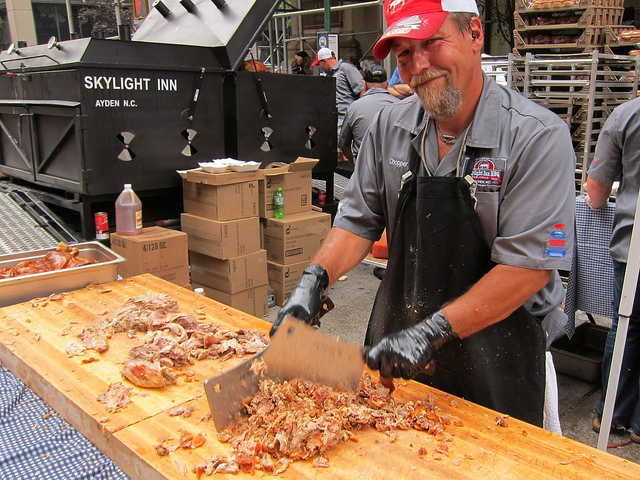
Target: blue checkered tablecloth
x,y
590,284
36,443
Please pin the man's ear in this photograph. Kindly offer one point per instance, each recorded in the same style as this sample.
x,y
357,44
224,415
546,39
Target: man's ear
x,y
477,34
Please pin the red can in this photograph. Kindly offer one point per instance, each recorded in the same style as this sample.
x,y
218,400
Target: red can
x,y
322,197
102,225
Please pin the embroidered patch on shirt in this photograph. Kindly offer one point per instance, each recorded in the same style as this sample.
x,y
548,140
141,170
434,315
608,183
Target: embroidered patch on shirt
x,y
556,247
486,173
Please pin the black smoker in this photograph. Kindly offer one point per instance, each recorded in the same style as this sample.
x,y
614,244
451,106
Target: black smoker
x,y
80,118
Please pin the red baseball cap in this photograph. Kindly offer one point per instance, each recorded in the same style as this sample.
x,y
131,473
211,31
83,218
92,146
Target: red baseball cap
x,y
416,19
322,54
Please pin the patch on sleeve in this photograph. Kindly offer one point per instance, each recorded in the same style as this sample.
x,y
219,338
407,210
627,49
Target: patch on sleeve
x,y
556,246
487,173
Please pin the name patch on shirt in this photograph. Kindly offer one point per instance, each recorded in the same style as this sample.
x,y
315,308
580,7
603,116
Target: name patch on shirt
x,y
398,163
487,172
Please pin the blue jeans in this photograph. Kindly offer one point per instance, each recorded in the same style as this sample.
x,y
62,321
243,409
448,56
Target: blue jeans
x,y
626,412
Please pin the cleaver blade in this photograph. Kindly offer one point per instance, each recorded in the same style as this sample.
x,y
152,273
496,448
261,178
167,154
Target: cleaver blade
x,y
297,350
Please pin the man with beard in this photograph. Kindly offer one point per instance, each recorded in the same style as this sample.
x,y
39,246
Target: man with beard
x,y
474,184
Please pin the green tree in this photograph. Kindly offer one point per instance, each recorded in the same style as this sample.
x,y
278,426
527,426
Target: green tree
x,y
101,16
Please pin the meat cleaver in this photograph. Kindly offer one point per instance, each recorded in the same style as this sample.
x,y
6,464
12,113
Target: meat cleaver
x,y
297,350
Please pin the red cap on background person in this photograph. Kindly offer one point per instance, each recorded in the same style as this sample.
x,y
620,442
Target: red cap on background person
x,y
416,19
322,54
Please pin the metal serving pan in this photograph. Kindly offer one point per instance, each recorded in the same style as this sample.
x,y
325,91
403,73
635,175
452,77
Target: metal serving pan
x,y
27,287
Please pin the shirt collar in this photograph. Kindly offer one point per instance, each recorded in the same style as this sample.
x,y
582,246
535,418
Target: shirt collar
x,y
375,90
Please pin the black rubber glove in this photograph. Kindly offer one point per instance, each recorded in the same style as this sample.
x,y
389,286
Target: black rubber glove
x,y
407,352
306,298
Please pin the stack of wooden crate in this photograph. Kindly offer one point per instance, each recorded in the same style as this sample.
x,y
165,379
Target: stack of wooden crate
x,y
582,89
566,26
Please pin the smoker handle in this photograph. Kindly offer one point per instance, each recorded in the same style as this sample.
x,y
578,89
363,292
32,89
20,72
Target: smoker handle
x,y
196,94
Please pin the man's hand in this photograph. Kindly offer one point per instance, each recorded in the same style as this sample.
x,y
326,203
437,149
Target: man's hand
x,y
306,298
407,352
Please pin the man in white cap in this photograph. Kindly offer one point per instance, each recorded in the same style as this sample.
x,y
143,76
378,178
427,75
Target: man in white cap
x,y
475,186
349,82
361,112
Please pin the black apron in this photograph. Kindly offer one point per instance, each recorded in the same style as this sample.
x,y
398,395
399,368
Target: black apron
x,y
438,252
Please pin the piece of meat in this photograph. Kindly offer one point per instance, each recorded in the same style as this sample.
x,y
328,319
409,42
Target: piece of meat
x,y
143,373
94,339
116,397
184,411
299,420
62,257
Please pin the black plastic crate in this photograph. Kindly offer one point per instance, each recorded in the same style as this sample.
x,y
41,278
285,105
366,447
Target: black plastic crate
x,y
581,356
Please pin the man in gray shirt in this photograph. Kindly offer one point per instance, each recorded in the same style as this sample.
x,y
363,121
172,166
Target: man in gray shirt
x,y
475,186
349,82
361,112
617,157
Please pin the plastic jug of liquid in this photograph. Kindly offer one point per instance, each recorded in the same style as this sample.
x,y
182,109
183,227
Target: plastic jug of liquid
x,y
128,212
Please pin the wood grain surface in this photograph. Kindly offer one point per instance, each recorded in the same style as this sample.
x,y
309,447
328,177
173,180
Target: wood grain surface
x,y
33,336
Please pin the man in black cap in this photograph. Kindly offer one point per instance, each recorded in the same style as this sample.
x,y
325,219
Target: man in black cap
x,y
361,112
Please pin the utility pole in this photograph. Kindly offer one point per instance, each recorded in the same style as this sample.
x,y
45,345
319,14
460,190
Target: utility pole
x,y
72,26
327,16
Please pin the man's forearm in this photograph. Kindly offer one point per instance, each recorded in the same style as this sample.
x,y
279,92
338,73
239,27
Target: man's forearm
x,y
598,193
341,251
493,298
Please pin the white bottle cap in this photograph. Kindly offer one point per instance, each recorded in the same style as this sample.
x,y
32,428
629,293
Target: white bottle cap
x,y
199,291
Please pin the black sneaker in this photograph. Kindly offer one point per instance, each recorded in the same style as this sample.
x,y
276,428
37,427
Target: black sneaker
x,y
378,272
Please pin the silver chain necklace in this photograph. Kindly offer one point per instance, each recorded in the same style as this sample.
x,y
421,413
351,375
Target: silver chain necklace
x,y
448,139
424,139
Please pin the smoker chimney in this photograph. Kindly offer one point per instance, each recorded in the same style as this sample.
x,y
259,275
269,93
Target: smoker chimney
x,y
124,32
162,8
188,5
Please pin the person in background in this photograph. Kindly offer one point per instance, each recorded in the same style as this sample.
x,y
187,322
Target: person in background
x,y
361,112
302,64
617,158
349,82
397,87
472,182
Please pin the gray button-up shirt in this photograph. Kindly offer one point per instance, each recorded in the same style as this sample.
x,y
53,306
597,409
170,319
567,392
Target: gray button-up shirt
x,y
522,159
359,116
349,85
617,157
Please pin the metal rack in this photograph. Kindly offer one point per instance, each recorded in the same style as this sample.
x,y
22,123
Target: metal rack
x,y
582,89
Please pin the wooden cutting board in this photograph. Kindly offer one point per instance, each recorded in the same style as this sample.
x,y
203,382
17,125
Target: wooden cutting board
x,y
33,336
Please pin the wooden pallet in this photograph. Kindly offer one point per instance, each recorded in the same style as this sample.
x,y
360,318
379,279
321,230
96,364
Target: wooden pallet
x,y
529,4
571,18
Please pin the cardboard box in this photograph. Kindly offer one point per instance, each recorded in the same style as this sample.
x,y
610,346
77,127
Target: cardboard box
x,y
295,238
232,275
157,250
295,181
284,278
222,239
252,301
220,202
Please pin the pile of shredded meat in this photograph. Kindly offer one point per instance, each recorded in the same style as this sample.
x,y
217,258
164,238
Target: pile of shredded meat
x,y
173,339
300,420
62,257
